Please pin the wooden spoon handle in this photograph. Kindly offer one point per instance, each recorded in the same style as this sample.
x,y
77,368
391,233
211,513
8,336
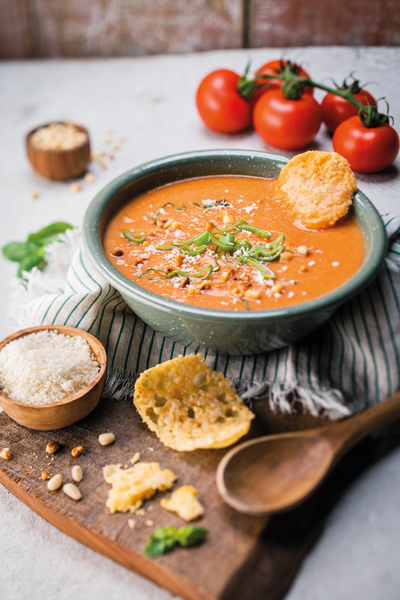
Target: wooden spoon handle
x,y
348,433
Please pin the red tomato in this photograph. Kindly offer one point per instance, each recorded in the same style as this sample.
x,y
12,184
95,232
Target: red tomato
x,y
220,105
287,124
368,149
276,66
336,109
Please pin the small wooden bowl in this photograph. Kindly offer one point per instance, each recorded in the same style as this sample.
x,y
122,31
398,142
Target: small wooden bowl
x,y
59,164
65,412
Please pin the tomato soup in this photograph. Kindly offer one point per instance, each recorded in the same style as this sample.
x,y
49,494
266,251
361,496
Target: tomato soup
x,y
228,242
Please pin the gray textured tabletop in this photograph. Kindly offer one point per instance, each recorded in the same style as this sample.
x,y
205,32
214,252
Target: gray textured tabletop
x,y
150,102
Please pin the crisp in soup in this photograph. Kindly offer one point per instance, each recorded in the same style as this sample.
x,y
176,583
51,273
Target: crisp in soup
x,y
228,242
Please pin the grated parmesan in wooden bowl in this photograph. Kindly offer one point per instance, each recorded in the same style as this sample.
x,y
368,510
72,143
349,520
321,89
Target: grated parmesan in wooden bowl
x,y
51,377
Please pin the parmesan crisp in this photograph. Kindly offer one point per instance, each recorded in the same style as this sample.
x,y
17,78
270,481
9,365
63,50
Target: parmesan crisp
x,y
184,502
131,486
318,187
189,406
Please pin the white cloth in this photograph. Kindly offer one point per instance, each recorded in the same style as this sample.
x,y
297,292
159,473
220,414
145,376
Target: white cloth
x,y
347,364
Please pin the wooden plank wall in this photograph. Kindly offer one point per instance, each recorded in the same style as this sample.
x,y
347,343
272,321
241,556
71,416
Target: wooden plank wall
x,y
87,28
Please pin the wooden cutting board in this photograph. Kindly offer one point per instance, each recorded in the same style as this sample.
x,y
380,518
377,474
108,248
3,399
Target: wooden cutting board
x,y
246,558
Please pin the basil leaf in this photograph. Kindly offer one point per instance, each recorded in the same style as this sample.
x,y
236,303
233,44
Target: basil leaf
x,y
161,541
49,234
18,251
164,539
35,260
31,253
191,536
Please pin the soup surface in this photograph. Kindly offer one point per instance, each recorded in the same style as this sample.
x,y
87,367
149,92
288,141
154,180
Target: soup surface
x,y
228,265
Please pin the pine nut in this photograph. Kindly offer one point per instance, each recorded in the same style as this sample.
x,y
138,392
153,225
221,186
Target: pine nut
x,y
77,451
168,223
5,453
252,294
175,225
52,447
303,250
193,291
277,288
106,438
55,482
303,269
179,260
205,285
44,476
237,292
285,256
228,219
77,473
224,276
72,491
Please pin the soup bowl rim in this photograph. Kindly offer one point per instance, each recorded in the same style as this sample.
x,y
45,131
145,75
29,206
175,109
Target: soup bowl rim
x,y
372,263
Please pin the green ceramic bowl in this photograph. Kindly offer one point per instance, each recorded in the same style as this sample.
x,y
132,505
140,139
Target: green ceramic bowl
x,y
224,331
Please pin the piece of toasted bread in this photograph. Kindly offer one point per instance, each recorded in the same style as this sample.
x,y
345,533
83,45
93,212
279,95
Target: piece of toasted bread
x,y
318,186
189,406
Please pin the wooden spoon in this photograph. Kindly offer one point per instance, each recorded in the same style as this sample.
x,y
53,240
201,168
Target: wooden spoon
x,y
274,473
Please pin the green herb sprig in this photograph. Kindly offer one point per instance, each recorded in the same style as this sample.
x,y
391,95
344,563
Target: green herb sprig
x,y
31,253
164,539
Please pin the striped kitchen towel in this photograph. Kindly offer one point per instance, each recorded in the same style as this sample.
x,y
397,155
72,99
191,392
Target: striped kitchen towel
x,y
349,363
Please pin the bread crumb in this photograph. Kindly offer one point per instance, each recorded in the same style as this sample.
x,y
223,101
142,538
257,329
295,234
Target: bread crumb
x,y
34,195
149,523
132,523
75,187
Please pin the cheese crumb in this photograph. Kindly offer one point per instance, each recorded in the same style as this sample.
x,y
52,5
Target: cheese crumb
x,y
132,523
184,502
131,486
135,458
46,367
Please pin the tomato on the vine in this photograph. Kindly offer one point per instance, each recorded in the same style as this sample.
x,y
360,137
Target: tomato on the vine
x,y
277,67
336,109
220,105
287,124
368,149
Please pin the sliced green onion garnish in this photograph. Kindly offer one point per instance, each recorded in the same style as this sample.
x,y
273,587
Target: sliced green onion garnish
x,y
245,304
164,247
183,207
129,236
207,270
261,232
201,237
149,271
192,250
265,271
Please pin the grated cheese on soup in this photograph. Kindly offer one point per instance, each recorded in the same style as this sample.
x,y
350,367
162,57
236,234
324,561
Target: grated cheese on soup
x,y
46,367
